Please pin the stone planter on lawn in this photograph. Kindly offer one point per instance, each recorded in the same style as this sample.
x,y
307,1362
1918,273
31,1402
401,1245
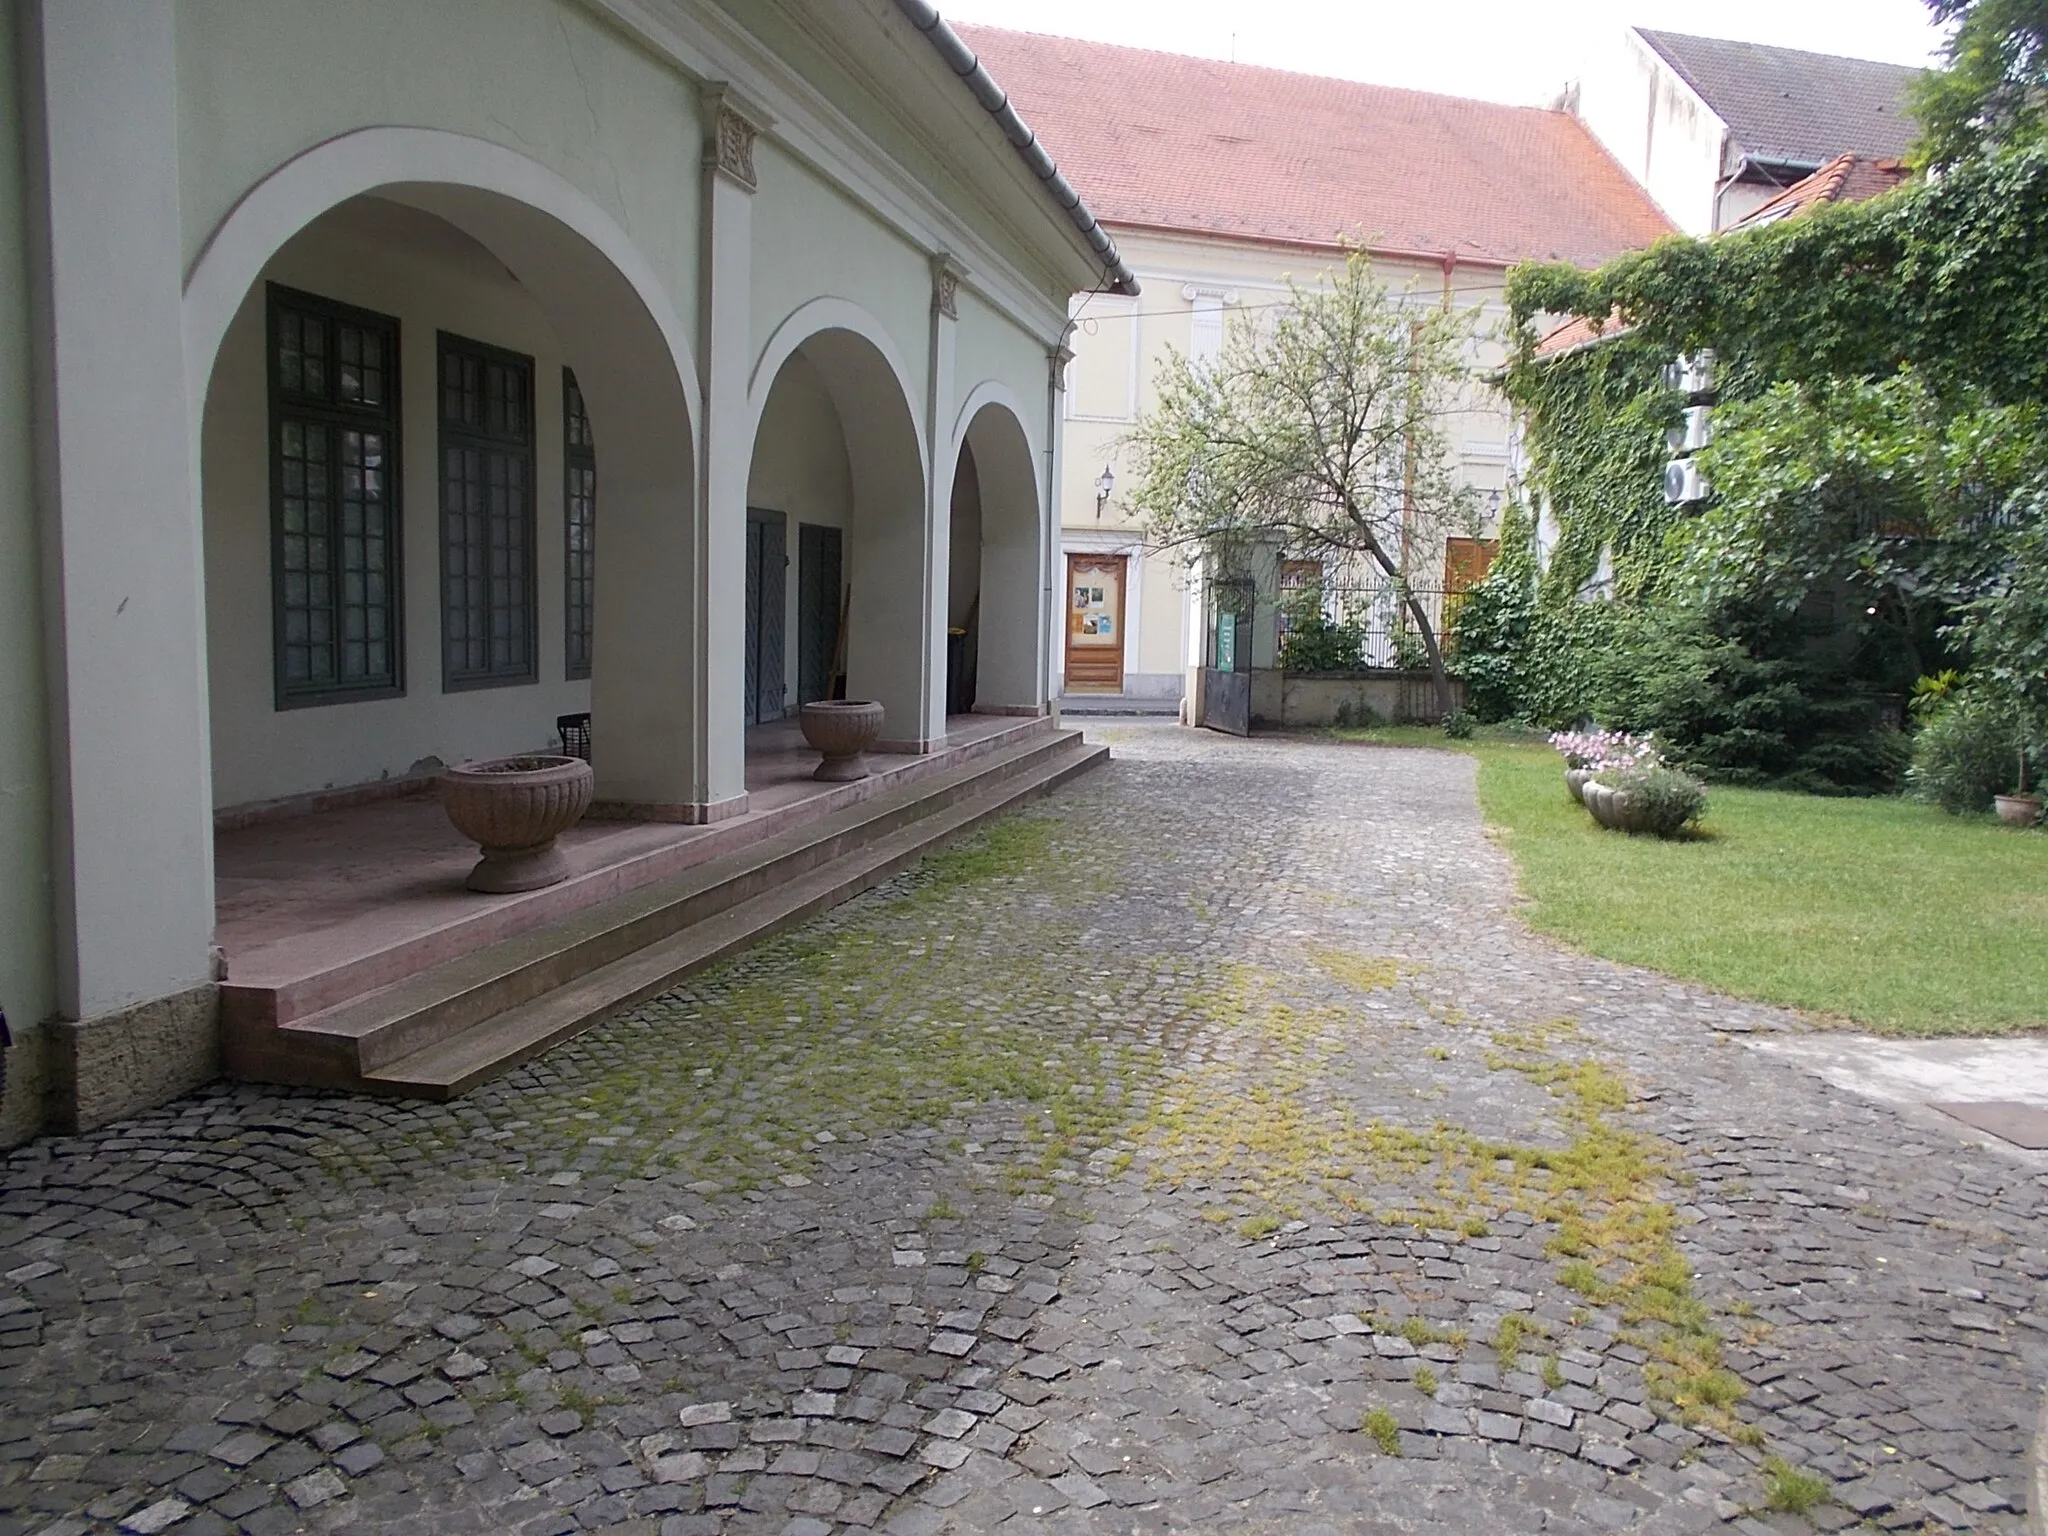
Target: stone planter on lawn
x,y
514,808
1575,781
2018,810
841,729
1615,809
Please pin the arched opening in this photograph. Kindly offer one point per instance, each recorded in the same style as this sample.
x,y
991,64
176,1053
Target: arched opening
x,y
421,402
837,543
995,569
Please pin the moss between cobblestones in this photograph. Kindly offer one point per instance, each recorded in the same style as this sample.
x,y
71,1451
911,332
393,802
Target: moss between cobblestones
x,y
1270,1146
878,1018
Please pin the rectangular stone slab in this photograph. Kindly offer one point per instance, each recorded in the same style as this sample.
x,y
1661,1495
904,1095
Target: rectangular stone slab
x,y
2024,1125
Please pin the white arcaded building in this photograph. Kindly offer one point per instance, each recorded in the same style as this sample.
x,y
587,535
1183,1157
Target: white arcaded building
x,y
381,380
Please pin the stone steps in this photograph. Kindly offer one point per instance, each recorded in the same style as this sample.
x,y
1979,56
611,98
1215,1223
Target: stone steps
x,y
439,1032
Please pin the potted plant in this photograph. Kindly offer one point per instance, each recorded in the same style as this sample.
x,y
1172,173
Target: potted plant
x,y
841,730
514,808
2020,808
1646,796
1587,753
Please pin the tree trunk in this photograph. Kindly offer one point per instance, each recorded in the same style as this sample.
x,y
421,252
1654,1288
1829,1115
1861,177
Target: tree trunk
x,y
1439,674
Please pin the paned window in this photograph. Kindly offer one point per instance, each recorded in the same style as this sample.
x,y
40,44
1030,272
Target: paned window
x,y
579,459
487,576
334,513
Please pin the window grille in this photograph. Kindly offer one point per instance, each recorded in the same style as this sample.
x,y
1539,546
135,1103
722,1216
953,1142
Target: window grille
x,y
579,495
487,516
335,556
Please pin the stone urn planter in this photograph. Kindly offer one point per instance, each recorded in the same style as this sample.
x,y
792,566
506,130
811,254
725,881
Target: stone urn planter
x,y
514,808
1575,781
841,729
2018,810
1614,809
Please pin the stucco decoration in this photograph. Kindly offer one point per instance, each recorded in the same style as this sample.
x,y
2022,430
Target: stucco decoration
x,y
732,147
946,275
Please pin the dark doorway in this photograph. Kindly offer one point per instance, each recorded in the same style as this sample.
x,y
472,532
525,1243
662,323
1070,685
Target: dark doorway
x,y
767,567
817,612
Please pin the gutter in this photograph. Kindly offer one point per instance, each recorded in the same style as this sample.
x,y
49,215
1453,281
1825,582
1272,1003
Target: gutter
x,y
962,61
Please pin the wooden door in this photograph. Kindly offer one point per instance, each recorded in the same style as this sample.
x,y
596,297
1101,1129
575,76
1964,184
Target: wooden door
x,y
767,564
1095,623
817,620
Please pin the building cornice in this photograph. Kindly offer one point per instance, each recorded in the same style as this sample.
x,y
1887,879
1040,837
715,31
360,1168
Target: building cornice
x,y
702,41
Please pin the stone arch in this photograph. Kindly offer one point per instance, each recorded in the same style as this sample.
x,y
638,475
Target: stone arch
x,y
887,571
625,340
991,434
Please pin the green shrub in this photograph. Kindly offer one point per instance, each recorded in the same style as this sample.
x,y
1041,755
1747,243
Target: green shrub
x,y
1458,725
1669,801
1967,750
1315,642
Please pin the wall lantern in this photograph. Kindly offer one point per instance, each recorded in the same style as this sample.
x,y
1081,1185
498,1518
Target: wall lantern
x,y
1104,484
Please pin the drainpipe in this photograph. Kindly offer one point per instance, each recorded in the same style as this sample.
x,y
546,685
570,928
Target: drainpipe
x,y
1056,362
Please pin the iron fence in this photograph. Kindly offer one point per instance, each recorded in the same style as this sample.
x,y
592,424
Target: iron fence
x,y
1326,628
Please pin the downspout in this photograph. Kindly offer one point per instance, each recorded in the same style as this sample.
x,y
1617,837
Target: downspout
x,y
1055,362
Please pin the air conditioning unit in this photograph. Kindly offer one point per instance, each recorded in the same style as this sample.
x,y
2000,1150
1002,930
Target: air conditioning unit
x,y
1692,374
1683,483
1694,431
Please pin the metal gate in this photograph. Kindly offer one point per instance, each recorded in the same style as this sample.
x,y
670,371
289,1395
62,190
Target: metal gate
x,y
1227,609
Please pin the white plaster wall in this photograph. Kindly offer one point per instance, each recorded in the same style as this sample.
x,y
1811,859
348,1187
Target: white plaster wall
x,y
27,978
403,263
800,470
991,347
548,78
1663,135
795,260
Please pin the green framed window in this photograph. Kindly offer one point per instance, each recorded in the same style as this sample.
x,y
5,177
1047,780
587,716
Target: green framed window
x,y
487,516
334,501
579,497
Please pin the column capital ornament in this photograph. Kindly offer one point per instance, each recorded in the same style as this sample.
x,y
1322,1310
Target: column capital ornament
x,y
731,124
1056,360
946,275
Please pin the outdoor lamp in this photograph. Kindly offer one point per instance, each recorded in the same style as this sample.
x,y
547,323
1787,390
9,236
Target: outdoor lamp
x,y
1104,484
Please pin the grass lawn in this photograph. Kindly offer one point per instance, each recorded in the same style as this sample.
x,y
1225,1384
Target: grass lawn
x,y
1891,915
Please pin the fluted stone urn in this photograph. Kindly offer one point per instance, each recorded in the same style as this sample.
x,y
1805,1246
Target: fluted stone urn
x,y
841,729
514,808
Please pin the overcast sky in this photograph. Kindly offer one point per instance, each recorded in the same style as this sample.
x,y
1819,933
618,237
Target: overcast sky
x,y
1519,51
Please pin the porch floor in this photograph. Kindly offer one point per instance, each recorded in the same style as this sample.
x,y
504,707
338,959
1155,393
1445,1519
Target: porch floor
x,y
369,893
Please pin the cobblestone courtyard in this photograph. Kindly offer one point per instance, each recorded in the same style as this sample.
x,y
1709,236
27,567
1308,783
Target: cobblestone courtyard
x,y
1205,1149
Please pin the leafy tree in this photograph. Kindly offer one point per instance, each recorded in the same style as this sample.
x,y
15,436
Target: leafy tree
x,y
1321,432
1993,92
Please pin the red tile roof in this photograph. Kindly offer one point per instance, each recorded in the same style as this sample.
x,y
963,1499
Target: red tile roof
x,y
1578,332
1844,179
1162,141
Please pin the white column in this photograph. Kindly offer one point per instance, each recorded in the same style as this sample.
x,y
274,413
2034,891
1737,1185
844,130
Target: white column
x,y
131,822
938,511
724,355
1055,628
